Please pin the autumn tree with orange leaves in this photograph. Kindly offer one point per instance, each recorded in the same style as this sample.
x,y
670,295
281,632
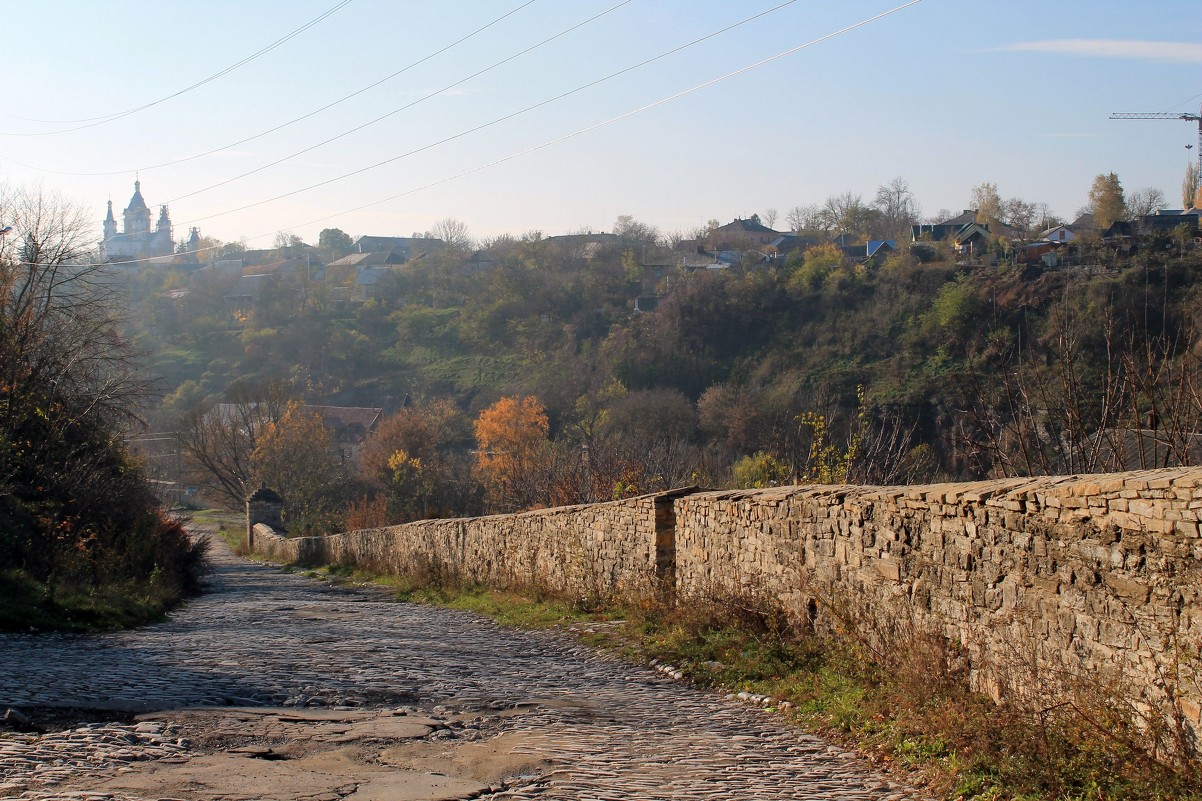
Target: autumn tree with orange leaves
x,y
297,454
411,459
513,454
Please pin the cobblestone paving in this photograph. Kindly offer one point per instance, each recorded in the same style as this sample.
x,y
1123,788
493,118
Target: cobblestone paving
x,y
263,637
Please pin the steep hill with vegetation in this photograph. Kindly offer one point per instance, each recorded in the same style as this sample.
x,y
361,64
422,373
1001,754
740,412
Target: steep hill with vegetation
x,y
914,367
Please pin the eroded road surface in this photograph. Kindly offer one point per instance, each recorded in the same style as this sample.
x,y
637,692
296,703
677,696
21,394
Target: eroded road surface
x,y
274,686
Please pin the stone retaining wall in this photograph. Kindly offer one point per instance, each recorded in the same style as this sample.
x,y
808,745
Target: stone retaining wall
x,y
607,549
1063,579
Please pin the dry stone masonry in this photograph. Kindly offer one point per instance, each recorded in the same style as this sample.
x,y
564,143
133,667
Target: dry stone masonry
x,y
1057,579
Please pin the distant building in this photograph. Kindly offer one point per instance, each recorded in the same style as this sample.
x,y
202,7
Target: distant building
x,y
404,248
137,240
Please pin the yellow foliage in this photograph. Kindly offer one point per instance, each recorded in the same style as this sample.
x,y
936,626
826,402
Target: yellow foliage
x,y
827,463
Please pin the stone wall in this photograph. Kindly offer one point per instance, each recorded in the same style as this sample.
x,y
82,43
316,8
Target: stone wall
x,y
1063,579
607,549
1066,580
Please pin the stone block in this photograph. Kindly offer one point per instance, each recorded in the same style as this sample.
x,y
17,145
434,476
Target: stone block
x,y
1128,589
889,569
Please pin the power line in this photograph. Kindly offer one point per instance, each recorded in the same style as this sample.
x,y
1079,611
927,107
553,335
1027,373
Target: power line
x,y
407,105
301,118
613,120
92,122
585,130
475,129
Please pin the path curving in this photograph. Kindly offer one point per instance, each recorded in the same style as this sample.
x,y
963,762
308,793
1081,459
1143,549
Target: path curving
x,y
364,698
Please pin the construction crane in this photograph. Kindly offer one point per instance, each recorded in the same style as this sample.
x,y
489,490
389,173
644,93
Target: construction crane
x,y
1169,116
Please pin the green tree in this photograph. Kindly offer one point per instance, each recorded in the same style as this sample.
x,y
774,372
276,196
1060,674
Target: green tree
x,y
818,263
1106,200
334,243
759,471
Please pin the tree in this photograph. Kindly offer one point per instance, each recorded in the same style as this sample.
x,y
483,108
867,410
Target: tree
x,y
846,213
286,239
453,232
805,218
1191,186
295,455
988,203
220,439
897,206
408,457
511,436
1019,215
818,262
769,217
1145,201
75,508
334,243
229,250
1106,200
627,227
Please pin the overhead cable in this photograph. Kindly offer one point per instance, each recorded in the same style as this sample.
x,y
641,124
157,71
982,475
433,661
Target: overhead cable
x,y
611,120
477,128
301,118
574,134
92,122
409,105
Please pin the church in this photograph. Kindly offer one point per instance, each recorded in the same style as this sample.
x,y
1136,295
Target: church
x,y
137,241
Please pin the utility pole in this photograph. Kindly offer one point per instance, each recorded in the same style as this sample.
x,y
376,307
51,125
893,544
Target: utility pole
x,y
1169,116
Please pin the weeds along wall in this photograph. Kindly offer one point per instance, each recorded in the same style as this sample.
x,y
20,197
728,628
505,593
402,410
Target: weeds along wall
x,y
1048,584
1085,583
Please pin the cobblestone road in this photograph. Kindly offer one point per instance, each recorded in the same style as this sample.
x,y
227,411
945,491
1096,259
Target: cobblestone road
x,y
596,727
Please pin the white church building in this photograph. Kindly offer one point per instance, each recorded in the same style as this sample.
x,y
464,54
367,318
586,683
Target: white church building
x,y
137,240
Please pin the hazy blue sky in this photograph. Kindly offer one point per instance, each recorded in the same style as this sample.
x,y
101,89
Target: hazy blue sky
x,y
945,93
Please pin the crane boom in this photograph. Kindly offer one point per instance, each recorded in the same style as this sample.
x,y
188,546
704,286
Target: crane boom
x,y
1167,115
1159,116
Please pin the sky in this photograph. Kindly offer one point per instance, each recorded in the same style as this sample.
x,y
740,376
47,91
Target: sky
x,y
560,115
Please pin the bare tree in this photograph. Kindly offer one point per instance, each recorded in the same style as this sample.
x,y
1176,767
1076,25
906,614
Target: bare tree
x,y
1019,215
285,239
61,319
804,218
453,232
769,216
846,213
220,439
897,205
1145,201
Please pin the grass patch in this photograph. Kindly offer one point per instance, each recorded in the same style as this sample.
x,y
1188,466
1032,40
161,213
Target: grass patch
x,y
27,604
229,526
508,608
909,709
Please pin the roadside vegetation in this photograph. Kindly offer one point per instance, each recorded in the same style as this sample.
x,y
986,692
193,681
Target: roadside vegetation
x,y
84,542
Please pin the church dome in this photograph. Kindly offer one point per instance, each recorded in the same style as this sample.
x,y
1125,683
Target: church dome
x,y
136,203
